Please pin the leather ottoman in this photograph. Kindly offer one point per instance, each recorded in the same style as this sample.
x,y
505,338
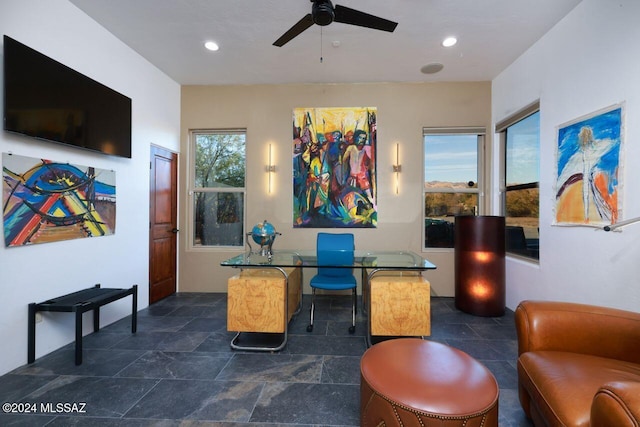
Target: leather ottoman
x,y
412,382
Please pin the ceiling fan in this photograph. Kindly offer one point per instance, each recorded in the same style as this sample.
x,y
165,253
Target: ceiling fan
x,y
324,13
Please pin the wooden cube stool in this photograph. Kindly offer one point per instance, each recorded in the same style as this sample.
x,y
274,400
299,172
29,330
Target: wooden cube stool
x,y
400,304
258,298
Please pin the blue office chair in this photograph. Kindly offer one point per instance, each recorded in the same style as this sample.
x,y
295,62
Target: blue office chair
x,y
334,249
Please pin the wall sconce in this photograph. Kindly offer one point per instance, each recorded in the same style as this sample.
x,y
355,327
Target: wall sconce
x,y
397,168
480,265
271,169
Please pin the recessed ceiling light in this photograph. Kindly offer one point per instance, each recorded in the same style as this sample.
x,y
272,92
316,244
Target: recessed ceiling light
x,y
211,46
432,68
449,41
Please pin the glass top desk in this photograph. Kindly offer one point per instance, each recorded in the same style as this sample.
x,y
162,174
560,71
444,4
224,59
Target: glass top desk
x,y
368,262
384,260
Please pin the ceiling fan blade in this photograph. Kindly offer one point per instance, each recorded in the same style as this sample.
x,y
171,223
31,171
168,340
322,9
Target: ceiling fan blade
x,y
294,31
347,15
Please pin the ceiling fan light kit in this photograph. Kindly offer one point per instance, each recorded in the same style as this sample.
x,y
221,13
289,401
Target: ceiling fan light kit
x,y
324,13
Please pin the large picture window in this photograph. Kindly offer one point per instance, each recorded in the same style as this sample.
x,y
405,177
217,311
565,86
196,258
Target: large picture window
x,y
520,138
218,188
451,181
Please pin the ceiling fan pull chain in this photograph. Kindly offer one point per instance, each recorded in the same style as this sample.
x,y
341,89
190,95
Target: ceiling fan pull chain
x,y
321,45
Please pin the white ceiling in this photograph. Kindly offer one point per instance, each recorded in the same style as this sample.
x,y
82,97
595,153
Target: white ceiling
x,y
170,34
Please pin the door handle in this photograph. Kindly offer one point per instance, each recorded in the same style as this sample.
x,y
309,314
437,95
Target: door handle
x,y
174,230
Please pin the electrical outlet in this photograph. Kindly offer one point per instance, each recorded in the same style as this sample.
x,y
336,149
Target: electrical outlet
x,y
38,317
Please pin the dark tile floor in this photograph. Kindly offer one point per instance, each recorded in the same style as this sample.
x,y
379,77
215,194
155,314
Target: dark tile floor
x,y
179,370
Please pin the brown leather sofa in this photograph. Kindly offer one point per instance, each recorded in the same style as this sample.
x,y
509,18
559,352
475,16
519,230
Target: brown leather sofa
x,y
578,365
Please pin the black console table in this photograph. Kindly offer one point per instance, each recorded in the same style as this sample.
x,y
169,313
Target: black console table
x,y
80,302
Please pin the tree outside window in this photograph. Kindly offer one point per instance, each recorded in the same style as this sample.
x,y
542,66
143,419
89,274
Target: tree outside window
x,y
218,167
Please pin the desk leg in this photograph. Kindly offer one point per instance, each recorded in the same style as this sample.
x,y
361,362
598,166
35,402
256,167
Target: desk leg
x,y
368,309
299,307
78,337
365,290
31,339
134,310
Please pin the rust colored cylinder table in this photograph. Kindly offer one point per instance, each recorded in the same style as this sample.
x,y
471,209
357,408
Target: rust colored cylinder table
x,y
417,383
480,265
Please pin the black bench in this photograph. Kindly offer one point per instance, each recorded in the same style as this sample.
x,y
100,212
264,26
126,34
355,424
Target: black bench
x,y
80,302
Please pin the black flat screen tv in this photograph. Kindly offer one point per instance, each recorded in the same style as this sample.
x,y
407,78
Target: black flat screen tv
x,y
47,100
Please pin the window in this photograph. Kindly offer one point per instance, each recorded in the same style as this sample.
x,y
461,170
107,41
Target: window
x,y
520,139
451,181
218,188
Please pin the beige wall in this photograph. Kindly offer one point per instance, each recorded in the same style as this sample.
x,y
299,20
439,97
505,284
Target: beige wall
x,y
266,112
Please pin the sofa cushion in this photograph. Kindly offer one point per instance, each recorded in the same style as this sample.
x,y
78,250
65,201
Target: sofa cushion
x,y
562,385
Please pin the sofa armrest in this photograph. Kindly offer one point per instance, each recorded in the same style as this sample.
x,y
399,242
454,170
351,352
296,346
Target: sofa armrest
x,y
578,328
616,404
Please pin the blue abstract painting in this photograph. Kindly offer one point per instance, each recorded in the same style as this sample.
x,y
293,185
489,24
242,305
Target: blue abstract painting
x,y
588,169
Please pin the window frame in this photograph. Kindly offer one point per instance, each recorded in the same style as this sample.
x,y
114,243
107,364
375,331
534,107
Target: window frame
x,y
480,133
193,190
501,129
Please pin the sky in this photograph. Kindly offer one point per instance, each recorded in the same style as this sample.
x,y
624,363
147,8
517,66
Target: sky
x,y
453,158
523,145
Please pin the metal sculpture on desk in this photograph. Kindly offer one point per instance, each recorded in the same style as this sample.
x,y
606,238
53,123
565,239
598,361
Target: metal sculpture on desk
x,y
263,234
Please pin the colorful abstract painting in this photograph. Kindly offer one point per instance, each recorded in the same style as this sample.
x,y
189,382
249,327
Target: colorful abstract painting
x,y
45,201
588,178
334,167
